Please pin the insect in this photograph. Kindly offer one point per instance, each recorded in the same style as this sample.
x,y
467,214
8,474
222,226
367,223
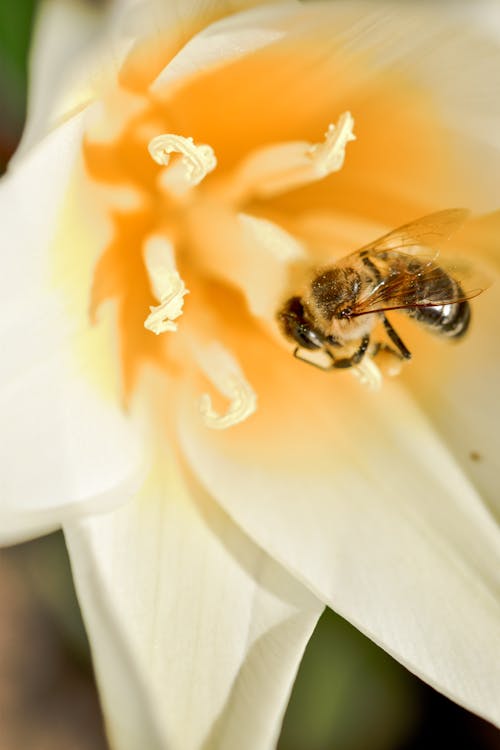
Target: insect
x,y
344,302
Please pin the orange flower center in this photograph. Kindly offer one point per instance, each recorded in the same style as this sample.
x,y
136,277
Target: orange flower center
x,y
224,182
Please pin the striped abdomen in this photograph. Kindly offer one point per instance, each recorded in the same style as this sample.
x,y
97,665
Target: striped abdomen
x,y
449,319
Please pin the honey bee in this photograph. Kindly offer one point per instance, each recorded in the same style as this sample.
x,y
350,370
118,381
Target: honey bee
x,y
344,302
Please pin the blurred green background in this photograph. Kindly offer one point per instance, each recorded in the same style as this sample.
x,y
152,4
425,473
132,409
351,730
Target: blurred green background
x,y
15,27
349,694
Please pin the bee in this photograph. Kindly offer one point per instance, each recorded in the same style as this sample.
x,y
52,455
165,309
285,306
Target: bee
x,y
345,301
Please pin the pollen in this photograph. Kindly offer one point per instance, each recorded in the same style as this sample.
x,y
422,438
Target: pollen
x,y
368,374
329,156
225,373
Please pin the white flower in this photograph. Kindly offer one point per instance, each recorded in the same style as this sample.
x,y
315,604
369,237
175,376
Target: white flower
x,y
179,153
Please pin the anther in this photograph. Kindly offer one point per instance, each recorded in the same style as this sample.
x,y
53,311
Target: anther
x,y
166,284
197,160
281,167
329,155
161,317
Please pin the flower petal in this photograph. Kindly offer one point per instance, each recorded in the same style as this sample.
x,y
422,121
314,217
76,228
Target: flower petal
x,y
411,153
159,30
359,499
460,391
29,217
77,49
67,448
186,613
67,441
228,38
63,40
180,14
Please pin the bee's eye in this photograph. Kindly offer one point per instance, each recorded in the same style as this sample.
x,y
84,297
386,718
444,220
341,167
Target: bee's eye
x,y
307,337
296,325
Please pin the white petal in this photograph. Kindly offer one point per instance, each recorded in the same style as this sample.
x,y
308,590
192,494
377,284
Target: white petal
x,y
196,633
459,392
448,50
452,51
63,38
431,41
228,38
66,447
29,216
356,496
77,50
180,16
65,439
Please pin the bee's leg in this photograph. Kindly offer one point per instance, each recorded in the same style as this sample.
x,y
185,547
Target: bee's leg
x,y
337,363
388,360
395,339
325,368
356,357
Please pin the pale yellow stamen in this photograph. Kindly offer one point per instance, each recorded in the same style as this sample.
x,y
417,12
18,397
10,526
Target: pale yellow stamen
x,y
280,167
161,316
197,160
166,284
368,374
224,372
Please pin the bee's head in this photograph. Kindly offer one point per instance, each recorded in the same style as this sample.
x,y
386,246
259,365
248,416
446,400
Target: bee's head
x,y
296,325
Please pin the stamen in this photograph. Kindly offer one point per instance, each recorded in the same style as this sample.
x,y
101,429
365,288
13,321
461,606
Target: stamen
x,y
329,156
368,374
166,284
281,167
161,317
226,375
197,160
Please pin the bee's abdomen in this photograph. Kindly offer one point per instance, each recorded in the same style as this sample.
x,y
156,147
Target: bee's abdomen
x,y
450,319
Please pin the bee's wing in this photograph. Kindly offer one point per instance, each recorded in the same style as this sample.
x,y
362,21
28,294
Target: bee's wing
x,y
428,231
424,283
414,283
